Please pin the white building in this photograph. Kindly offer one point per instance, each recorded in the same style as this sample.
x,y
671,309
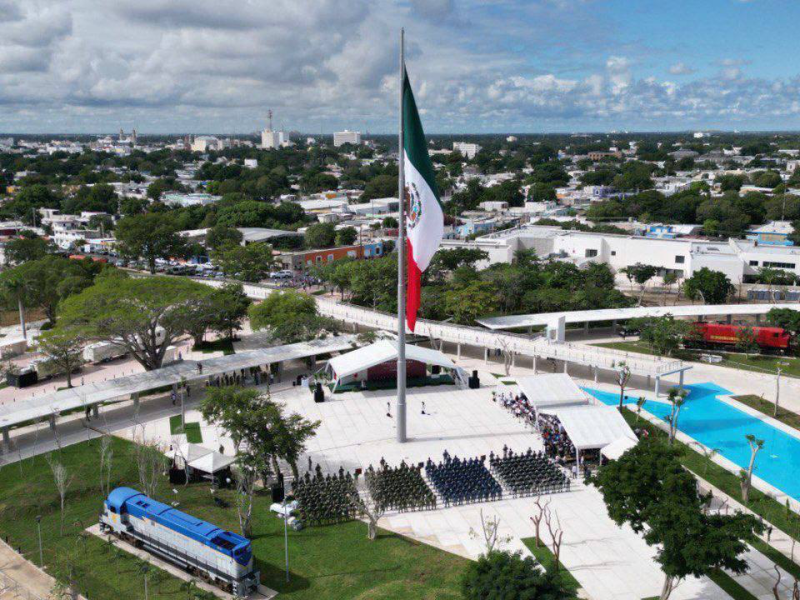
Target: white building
x,y
205,143
250,163
467,150
271,140
340,138
738,259
189,199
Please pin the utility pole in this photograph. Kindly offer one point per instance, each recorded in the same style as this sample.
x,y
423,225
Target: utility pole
x,y
39,531
777,391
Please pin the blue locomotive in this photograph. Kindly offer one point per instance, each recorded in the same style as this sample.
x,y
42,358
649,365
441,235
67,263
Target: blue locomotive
x,y
216,555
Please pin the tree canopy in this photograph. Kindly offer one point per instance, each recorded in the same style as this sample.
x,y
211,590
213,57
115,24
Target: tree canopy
x,y
143,315
150,236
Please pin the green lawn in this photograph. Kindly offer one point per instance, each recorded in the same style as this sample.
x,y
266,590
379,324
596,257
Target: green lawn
x,y
192,430
788,417
546,558
335,562
731,586
225,345
789,365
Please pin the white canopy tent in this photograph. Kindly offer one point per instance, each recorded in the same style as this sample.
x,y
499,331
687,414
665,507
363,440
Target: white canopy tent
x,y
593,427
213,462
378,353
550,391
618,447
189,452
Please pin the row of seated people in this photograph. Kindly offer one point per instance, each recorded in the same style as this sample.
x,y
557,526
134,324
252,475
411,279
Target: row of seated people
x,y
461,481
531,473
324,499
399,488
518,405
557,444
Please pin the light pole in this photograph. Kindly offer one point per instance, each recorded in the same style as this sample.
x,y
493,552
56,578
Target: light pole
x,y
777,390
286,535
39,532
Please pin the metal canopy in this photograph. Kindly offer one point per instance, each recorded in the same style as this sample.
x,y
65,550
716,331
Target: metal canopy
x,y
622,314
121,388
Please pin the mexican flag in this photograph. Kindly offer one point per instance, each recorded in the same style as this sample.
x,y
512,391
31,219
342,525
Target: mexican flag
x,y
424,214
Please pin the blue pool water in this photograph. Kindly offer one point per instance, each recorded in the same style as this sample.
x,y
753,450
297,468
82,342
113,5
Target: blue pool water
x,y
715,424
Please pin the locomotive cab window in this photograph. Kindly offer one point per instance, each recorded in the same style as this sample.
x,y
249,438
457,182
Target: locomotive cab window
x,y
112,509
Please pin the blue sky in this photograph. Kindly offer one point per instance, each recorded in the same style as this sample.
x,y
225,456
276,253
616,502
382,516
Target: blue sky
x,y
477,65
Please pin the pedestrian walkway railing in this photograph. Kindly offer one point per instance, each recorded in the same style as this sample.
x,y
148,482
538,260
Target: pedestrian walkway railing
x,y
516,343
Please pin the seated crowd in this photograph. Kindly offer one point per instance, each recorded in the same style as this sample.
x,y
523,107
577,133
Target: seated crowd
x,y
462,481
557,444
324,499
518,405
531,473
401,488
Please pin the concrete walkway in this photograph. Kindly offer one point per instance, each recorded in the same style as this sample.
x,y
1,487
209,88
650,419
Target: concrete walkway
x,y
21,579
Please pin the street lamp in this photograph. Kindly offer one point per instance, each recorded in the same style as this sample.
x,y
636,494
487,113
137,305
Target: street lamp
x,y
286,535
39,531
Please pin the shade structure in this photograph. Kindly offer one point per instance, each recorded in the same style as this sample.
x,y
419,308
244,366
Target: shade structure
x,y
381,352
618,447
189,452
593,427
212,462
552,390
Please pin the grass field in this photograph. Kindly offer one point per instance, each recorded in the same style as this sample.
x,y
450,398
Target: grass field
x,y
192,430
546,558
225,345
789,365
335,562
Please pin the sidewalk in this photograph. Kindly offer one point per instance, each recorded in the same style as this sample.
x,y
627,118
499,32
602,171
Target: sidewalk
x,y
21,578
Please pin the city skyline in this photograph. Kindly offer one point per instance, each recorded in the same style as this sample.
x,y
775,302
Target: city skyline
x,y
477,67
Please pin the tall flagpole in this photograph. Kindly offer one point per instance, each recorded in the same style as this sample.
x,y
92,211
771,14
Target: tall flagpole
x,y
401,262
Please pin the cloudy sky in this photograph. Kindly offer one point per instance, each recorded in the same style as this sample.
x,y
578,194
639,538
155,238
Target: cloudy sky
x,y
195,66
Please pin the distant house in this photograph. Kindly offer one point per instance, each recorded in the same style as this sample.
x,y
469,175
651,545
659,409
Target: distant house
x,y
302,260
774,233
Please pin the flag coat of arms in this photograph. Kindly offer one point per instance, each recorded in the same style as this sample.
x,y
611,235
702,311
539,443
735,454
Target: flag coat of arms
x,y
424,214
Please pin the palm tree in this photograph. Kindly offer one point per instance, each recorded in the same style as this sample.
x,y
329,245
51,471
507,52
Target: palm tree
x,y
639,404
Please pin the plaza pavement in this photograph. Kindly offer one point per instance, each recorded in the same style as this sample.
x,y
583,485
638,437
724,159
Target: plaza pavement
x,y
611,563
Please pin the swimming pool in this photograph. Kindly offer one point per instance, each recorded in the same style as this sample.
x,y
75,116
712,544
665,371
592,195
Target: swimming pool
x,y
715,424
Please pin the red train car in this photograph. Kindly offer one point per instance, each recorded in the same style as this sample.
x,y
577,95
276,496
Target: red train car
x,y
721,335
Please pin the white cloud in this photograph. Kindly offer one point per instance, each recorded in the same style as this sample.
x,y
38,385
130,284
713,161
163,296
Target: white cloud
x,y
215,65
681,68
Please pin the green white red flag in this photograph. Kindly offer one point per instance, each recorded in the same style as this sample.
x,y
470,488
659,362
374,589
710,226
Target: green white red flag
x,y
424,214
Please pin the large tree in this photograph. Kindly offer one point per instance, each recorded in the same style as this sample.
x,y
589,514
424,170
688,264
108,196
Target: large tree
x,y
712,287
503,575
648,489
260,430
26,248
150,236
664,334
144,315
290,316
51,279
250,263
320,235
63,348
